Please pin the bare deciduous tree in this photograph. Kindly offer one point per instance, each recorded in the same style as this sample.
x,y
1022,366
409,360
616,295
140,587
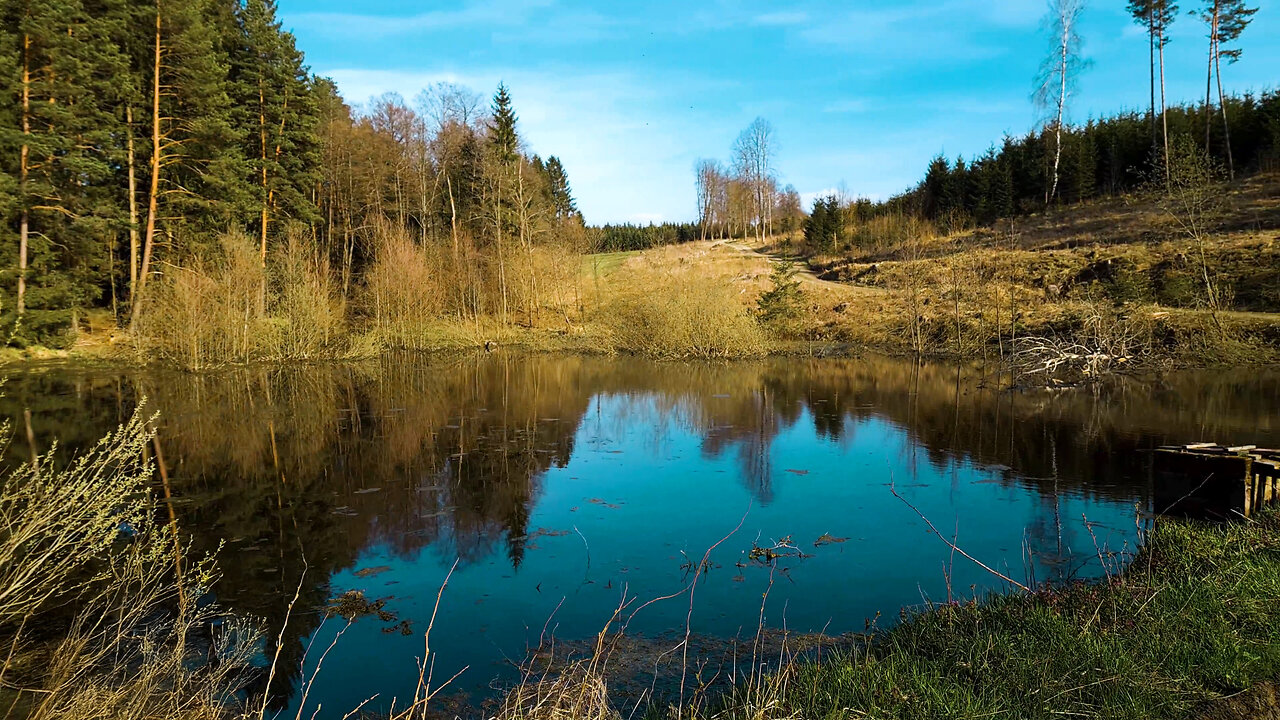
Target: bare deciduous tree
x,y
753,159
1059,71
708,177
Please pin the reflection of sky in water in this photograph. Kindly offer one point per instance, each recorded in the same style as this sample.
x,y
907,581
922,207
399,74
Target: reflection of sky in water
x,y
641,491
407,464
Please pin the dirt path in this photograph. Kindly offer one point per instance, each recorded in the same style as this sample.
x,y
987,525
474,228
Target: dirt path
x,y
803,272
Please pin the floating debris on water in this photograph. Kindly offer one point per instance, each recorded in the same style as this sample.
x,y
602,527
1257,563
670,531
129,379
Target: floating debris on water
x,y
828,539
545,532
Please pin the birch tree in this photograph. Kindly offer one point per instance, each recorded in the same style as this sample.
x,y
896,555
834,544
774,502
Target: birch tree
x,y
1058,73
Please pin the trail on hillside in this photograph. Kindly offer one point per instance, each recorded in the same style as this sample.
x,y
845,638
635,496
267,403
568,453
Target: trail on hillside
x,y
803,272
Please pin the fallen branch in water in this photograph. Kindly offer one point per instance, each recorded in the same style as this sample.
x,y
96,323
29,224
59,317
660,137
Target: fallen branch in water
x,y
953,546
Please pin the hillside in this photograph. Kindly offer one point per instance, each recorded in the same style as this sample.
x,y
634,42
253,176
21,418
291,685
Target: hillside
x,y
1119,274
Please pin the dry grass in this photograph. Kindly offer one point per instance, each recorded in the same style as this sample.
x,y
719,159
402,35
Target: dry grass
x,y
81,553
578,692
227,308
672,304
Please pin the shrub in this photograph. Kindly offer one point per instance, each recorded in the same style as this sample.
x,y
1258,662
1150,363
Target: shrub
x,y
690,318
401,293
308,307
210,312
85,533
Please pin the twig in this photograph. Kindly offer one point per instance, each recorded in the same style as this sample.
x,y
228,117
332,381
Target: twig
x,y
271,674
688,621
955,547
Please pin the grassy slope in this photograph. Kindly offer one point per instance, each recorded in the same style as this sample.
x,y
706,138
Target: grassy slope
x,y
1195,619
1053,268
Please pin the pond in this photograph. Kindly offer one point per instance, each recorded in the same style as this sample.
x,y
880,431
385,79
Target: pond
x,y
565,486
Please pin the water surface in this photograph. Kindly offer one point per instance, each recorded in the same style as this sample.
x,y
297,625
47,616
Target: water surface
x,y
564,485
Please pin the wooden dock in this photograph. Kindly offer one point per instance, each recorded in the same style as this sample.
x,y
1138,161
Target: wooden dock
x,y
1209,480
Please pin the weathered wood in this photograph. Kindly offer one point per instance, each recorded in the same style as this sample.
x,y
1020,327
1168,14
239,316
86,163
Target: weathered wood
x,y
1214,481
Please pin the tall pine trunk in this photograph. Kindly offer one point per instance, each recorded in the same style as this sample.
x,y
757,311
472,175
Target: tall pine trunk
x,y
149,241
24,227
1164,114
131,156
1208,79
262,155
1222,107
1151,49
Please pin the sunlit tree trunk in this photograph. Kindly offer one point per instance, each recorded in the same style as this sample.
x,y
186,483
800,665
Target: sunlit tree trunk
x,y
1208,79
24,223
148,247
1164,112
131,157
1222,107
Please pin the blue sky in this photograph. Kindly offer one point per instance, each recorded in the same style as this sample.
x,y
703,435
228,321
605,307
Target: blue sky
x,y
861,94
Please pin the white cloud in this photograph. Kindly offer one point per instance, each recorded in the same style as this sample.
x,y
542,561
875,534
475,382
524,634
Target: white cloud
x,y
627,145
807,198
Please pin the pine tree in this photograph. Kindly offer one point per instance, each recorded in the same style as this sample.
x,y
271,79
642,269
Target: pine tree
x,y
503,139
277,114
1226,19
196,169
561,196
1156,16
60,83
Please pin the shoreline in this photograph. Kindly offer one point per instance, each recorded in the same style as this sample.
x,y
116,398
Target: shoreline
x,y
550,343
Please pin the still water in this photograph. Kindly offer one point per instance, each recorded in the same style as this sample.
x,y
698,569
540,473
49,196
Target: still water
x,y
564,486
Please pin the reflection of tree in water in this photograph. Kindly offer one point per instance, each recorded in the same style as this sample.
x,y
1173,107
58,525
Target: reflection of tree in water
x,y
323,462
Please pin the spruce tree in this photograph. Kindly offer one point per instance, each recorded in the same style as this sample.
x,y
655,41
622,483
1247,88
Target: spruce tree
x,y
561,196
934,187
503,139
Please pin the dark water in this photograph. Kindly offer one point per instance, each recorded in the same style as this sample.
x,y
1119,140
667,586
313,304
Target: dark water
x,y
563,485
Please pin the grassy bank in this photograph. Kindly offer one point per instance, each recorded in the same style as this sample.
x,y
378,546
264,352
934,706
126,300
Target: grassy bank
x,y
1191,629
1119,281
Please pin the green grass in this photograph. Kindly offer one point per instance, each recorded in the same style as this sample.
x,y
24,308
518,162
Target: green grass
x,y
605,263
1195,619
